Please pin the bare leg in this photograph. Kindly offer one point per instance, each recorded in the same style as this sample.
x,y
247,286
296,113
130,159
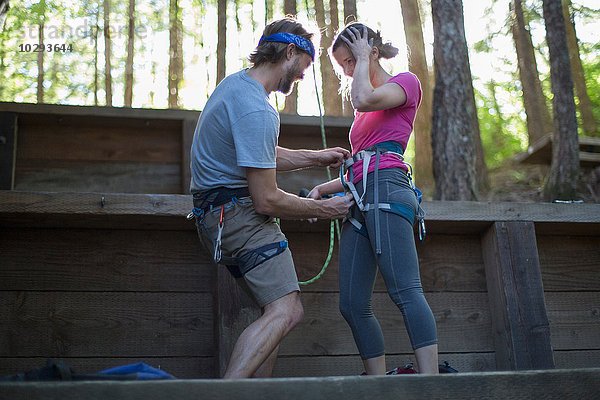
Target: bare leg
x,y
427,359
375,366
266,368
261,338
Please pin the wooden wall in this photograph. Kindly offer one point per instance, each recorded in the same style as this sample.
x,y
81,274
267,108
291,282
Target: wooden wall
x,y
105,149
104,284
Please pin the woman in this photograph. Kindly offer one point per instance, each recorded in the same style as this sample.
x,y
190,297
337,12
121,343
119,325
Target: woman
x,y
379,229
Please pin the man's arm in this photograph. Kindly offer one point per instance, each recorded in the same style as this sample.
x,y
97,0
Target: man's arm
x,y
268,199
289,160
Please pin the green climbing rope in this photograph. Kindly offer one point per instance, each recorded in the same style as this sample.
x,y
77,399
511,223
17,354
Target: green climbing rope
x,y
332,223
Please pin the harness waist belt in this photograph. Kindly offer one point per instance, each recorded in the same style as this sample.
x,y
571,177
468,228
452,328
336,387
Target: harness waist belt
x,y
218,196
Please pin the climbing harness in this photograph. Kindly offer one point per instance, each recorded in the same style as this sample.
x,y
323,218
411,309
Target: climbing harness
x,y
388,147
223,198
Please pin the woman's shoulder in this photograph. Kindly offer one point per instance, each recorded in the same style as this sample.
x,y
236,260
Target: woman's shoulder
x,y
405,76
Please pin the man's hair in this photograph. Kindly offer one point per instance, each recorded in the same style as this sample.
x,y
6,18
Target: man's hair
x,y
273,52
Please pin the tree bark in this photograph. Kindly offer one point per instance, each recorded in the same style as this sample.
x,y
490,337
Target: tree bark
x,y
538,117
40,62
330,84
130,50
588,122
291,101
413,31
107,54
454,126
564,170
175,53
221,38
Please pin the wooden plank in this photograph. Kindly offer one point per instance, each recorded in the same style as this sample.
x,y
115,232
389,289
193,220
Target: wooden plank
x,y
454,214
448,262
569,263
463,325
516,296
180,367
188,127
547,385
574,320
84,176
8,149
577,359
91,111
349,365
234,310
103,260
98,324
80,140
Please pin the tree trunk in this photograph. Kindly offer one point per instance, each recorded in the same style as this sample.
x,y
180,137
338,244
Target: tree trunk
x,y
536,109
332,102
129,62
96,70
175,53
350,11
269,11
588,122
4,7
413,31
291,101
107,54
564,171
454,126
40,62
221,38
350,14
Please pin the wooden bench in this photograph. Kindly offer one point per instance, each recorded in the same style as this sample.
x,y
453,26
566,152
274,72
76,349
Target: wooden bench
x,y
104,279
540,152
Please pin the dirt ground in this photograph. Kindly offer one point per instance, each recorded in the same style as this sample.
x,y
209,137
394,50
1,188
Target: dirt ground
x,y
515,182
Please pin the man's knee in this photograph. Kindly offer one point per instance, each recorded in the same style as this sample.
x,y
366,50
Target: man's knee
x,y
289,309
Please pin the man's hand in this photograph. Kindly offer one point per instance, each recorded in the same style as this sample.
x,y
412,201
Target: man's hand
x,y
333,157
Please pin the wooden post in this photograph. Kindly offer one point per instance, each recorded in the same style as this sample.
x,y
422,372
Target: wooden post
x,y
516,297
8,150
188,126
234,311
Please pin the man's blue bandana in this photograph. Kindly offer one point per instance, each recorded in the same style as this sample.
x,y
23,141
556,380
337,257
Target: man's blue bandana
x,y
286,37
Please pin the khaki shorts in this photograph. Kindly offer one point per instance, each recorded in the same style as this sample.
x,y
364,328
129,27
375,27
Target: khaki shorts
x,y
244,230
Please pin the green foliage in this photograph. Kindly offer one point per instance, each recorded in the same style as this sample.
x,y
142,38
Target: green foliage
x,y
503,133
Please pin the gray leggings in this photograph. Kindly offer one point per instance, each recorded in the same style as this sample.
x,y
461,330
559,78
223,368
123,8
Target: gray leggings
x,y
398,264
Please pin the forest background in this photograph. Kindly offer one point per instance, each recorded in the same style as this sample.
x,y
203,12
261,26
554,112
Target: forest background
x,y
172,54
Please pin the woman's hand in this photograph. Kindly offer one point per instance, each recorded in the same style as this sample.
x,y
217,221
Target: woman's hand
x,y
359,43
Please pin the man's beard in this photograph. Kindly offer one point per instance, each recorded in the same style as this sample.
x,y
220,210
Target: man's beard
x,y
287,83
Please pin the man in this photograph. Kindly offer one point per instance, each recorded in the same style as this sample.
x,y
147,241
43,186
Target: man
x,y
235,157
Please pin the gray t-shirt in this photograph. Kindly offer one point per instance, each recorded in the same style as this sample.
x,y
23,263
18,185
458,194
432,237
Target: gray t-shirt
x,y
238,128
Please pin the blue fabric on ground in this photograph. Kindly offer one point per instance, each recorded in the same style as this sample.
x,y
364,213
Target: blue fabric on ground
x,y
143,371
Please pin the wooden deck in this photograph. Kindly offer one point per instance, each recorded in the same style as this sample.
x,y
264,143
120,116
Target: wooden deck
x,y
583,384
103,279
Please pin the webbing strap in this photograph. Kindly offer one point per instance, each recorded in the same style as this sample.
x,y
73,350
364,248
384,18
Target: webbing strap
x,y
246,262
